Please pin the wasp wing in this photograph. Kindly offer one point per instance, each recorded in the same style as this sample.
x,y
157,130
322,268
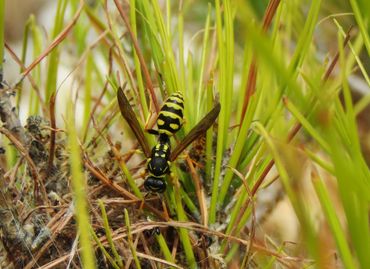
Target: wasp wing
x,y
198,130
130,117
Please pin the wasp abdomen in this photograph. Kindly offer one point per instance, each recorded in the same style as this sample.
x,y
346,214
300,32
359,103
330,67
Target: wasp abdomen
x,y
171,116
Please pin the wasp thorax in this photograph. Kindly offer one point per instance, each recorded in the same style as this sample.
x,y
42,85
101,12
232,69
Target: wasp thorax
x,y
158,163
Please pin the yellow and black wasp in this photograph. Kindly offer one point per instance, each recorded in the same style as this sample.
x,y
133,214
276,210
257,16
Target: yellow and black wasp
x,y
169,121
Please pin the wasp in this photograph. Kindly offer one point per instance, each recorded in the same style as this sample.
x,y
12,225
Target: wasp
x,y
161,156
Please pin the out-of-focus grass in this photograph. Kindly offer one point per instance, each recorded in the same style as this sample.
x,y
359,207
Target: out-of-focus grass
x,y
79,187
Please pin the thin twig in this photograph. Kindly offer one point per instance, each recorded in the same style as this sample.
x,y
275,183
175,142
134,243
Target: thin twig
x,y
52,132
55,42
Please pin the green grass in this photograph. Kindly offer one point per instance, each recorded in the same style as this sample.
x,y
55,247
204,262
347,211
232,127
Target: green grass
x,y
80,192
289,127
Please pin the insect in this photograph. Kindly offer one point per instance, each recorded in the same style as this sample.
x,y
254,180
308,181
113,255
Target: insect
x,y
161,156
170,117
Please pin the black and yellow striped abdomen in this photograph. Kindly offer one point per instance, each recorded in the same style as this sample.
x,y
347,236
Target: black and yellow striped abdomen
x,y
171,116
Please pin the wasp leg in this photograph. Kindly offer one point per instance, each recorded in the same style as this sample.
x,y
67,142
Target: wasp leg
x,y
144,200
165,211
142,204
